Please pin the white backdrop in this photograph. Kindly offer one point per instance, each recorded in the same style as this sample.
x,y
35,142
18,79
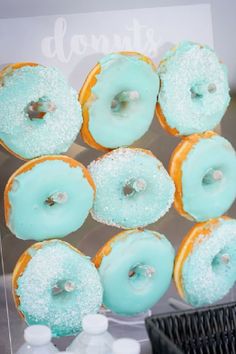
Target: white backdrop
x,y
75,42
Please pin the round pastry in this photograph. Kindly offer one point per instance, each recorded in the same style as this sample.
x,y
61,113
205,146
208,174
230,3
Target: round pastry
x,y
135,268
39,111
194,91
203,167
48,197
133,189
56,285
206,261
118,100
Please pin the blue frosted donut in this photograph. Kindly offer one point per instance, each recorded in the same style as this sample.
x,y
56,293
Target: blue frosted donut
x,y
48,197
118,100
205,267
56,285
39,111
135,269
133,189
194,91
203,167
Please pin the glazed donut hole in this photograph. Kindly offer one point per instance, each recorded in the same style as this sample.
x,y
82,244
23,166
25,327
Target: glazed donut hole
x,y
200,89
221,261
63,288
124,102
56,198
140,275
38,109
134,186
213,178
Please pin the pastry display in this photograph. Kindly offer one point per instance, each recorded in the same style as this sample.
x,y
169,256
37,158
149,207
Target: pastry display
x,y
194,90
133,189
136,269
118,100
56,285
39,111
48,197
203,167
206,261
51,195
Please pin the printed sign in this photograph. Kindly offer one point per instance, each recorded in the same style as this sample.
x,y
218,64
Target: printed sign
x,y
75,42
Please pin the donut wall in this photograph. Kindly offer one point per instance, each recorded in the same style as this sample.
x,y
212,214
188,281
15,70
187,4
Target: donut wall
x,y
118,171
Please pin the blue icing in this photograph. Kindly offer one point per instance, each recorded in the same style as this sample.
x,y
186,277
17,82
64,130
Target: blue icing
x,y
53,134
206,277
115,128
63,313
113,172
131,295
186,73
32,218
209,200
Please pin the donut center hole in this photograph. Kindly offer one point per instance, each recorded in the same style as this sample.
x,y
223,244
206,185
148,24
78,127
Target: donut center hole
x,y
56,198
140,275
221,261
134,186
121,102
194,94
63,287
212,178
38,109
200,89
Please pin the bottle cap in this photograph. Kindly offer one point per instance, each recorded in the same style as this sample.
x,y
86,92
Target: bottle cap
x,y
126,346
37,335
95,324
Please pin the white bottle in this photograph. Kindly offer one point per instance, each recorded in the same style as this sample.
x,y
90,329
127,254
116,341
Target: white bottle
x,y
37,341
94,339
126,346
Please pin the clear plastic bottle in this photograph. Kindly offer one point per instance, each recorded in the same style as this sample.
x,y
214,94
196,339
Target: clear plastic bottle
x,y
95,339
37,341
126,346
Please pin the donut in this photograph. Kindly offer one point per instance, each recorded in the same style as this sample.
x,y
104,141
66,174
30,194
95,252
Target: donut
x,y
194,90
135,268
203,167
118,100
39,111
133,189
48,197
205,264
55,285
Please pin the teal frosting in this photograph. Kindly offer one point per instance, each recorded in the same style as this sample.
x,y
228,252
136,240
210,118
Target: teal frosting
x,y
31,218
206,278
113,172
209,200
122,73
194,90
56,262
149,250
54,133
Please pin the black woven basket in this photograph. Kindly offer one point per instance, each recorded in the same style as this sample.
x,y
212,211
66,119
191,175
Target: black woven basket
x,y
209,330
